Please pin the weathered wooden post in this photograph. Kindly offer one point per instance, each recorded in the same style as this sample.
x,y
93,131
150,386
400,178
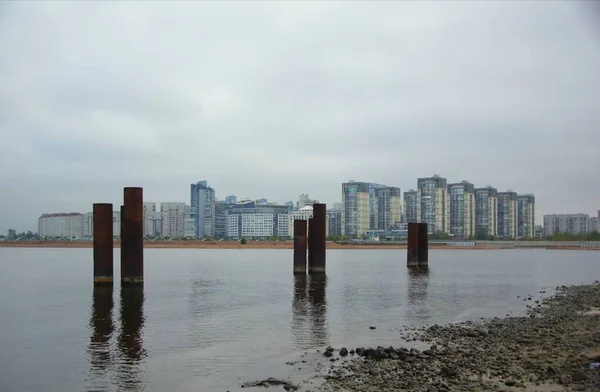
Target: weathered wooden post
x,y
103,244
132,238
300,227
316,263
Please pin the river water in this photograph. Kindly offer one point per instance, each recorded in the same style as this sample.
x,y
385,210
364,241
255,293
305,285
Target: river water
x,y
208,320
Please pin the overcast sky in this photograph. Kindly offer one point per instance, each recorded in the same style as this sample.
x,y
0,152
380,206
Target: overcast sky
x,y
275,99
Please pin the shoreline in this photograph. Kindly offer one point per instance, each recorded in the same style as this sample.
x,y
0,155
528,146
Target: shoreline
x,y
547,349
281,245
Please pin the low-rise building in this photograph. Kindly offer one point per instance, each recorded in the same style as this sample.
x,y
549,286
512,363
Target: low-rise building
x,y
566,224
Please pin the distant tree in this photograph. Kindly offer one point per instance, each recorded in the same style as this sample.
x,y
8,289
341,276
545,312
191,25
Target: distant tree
x,y
440,235
481,235
243,241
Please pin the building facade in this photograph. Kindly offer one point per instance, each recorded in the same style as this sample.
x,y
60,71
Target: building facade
x,y
412,206
203,208
526,216
566,224
173,215
507,215
462,209
486,212
304,200
334,222
355,208
248,219
149,209
69,225
389,206
434,203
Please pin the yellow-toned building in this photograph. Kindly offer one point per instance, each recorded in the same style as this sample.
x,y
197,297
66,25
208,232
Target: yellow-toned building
x,y
356,211
462,209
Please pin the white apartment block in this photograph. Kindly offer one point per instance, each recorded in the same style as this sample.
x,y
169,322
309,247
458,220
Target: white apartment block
x,y
257,225
304,213
304,200
507,215
149,218
526,216
566,224
594,224
172,219
68,225
283,225
486,211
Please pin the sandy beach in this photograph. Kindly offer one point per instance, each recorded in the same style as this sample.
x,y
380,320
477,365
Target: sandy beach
x,y
281,245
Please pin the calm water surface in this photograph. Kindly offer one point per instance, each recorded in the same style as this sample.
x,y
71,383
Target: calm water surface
x,y
208,320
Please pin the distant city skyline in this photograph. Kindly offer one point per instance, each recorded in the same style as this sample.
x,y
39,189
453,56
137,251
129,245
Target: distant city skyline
x,y
383,92
300,198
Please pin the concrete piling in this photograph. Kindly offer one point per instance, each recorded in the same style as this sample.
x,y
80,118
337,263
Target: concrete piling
x,y
417,251
132,238
317,247
103,244
300,228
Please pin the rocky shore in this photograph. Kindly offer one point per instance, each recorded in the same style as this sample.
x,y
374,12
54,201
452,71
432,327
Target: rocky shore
x,y
548,349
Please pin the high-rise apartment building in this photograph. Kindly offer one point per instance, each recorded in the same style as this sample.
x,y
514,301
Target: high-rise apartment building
x,y
486,211
566,224
203,208
149,209
594,224
507,215
231,199
355,208
373,205
189,225
334,222
389,206
304,200
412,206
173,215
462,209
526,216
435,209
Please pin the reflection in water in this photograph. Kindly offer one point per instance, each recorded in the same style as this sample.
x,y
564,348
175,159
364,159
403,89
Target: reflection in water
x,y
318,310
418,280
129,341
102,327
300,313
309,309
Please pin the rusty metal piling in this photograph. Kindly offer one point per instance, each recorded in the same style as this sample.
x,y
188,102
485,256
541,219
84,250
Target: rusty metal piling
x,y
417,251
132,238
310,241
317,247
300,227
103,244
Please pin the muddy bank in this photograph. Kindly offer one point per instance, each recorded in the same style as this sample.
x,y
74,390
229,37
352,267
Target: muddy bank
x,y
548,349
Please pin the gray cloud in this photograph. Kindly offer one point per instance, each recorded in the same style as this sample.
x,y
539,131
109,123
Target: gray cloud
x,y
274,99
